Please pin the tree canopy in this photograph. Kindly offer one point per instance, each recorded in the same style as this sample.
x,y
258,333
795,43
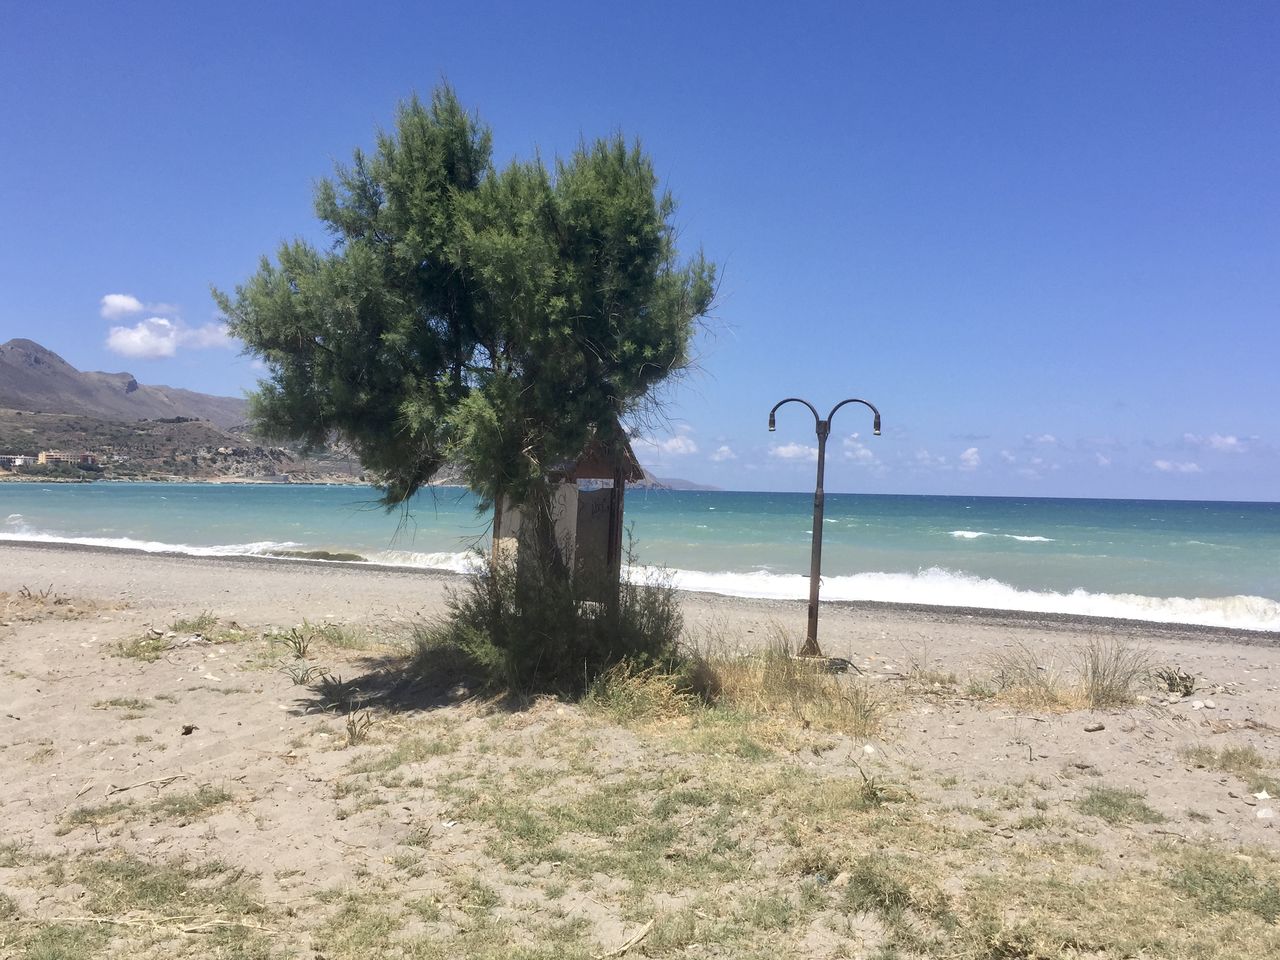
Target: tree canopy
x,y
493,318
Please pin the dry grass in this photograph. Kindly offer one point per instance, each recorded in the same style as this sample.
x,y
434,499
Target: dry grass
x,y
203,628
1021,677
738,697
777,685
1111,671
42,603
631,694
1102,674
1243,761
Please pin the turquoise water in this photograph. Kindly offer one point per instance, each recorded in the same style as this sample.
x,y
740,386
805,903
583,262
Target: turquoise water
x,y
1190,562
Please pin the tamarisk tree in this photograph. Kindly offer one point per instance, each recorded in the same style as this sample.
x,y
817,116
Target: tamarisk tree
x,y
493,318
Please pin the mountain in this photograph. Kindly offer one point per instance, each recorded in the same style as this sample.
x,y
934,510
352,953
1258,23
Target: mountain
x,y
651,482
36,379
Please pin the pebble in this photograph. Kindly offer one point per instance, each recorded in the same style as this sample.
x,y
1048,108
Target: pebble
x,y
1265,813
1094,727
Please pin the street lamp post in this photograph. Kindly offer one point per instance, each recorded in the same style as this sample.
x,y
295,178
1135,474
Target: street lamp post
x,y
810,648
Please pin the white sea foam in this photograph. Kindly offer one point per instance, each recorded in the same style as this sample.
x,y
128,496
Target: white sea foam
x,y
155,546
931,587
465,561
939,587
975,534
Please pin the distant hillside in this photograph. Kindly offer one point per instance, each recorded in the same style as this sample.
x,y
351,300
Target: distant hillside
x,y
650,482
36,379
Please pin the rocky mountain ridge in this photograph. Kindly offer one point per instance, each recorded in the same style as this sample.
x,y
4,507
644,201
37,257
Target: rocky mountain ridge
x,y
35,379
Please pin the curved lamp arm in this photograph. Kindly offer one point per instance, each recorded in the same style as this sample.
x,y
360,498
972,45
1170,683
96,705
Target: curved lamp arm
x,y
870,406
773,424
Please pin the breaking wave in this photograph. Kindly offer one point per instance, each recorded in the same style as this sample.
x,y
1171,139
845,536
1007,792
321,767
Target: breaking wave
x,y
975,534
947,588
933,586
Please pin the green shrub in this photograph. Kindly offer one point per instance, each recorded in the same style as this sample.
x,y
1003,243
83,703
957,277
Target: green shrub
x,y
532,630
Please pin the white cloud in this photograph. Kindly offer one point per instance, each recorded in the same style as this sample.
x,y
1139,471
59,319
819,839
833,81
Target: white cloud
x,y
210,335
1008,457
149,339
1103,461
723,453
1169,466
1047,439
970,459
678,446
653,449
793,451
857,451
1223,443
158,337
116,305
925,459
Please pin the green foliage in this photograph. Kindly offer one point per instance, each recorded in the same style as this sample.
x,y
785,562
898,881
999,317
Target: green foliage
x,y
530,630
490,317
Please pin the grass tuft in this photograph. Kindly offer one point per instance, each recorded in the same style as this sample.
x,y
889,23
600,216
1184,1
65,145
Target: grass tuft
x,y
629,694
1242,761
1117,806
778,685
201,623
1107,673
1111,671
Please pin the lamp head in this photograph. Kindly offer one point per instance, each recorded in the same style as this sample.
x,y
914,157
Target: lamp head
x,y
773,425
876,425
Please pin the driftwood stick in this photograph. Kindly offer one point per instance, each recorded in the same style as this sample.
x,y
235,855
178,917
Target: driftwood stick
x,y
153,922
644,931
163,781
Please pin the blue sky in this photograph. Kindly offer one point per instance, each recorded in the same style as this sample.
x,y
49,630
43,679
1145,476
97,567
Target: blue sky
x,y
1043,238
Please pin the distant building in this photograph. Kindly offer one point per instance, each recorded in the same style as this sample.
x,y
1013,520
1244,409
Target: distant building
x,y
11,460
51,457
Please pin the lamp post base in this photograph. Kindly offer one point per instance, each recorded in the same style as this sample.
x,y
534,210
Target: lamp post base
x,y
828,664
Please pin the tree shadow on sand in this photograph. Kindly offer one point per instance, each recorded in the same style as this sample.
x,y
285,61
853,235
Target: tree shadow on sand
x,y
422,680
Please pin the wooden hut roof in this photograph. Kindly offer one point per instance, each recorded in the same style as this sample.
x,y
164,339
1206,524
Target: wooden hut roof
x,y
599,462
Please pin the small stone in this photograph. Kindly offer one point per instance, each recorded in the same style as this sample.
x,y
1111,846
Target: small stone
x,y
1209,704
1197,705
1094,727
1265,813
841,880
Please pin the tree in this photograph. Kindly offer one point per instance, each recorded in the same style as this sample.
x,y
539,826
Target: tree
x,y
493,318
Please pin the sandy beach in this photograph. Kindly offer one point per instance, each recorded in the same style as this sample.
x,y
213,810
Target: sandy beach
x,y
106,758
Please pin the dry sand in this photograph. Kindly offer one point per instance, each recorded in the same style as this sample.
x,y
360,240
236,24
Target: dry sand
x,y
296,812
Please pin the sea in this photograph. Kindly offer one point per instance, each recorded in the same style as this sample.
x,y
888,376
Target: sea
x,y
1207,563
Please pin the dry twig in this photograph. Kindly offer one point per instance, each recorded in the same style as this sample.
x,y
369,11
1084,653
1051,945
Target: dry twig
x,y
644,931
163,781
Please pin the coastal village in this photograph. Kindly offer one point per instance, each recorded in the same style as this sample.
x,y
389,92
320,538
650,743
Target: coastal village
x,y
246,464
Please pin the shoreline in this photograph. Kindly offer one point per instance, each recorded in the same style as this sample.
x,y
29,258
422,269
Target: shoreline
x,y
710,604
